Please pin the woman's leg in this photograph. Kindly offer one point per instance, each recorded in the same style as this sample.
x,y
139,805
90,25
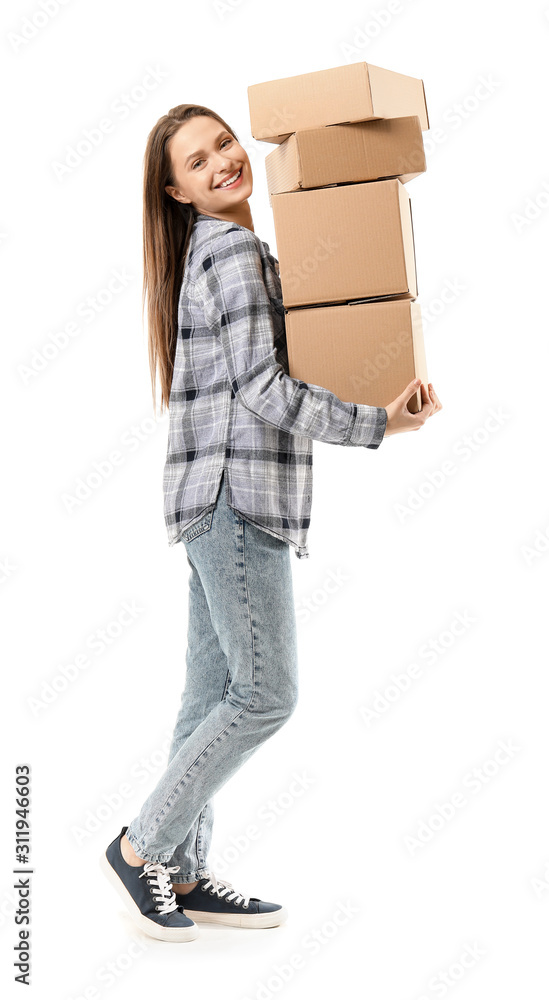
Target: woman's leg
x,y
206,682
246,576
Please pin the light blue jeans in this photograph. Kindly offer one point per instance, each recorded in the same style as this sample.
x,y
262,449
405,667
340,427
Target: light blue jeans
x,y
241,681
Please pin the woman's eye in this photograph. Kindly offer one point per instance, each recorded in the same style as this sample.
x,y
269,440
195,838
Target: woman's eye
x,y
200,161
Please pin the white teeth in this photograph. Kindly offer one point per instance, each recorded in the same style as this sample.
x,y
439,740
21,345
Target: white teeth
x,y
232,180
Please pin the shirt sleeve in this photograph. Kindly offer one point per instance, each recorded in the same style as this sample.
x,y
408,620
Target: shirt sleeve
x,y
238,308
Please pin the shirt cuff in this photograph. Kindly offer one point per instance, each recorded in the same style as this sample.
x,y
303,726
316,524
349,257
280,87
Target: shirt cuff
x,y
369,426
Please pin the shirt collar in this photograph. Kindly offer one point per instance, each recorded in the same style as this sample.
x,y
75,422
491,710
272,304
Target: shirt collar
x,y
200,217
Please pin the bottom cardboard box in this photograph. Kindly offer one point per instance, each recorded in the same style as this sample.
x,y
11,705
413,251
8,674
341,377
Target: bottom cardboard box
x,y
362,351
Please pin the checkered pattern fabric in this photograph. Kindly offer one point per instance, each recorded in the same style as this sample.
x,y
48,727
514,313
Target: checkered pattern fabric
x,y
233,405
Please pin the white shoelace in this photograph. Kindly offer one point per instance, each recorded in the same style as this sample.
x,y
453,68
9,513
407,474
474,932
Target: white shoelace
x,y
225,890
158,874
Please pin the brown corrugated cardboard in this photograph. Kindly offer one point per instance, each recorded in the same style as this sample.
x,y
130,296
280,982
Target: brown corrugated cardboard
x,y
352,241
363,352
343,154
356,92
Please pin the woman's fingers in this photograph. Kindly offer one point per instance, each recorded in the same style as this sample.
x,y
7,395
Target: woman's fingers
x,y
425,394
437,405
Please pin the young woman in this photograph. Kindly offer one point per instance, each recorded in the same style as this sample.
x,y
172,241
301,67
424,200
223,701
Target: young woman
x,y
237,493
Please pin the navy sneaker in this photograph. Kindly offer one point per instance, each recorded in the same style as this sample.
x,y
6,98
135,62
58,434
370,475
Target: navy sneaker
x,y
215,901
147,893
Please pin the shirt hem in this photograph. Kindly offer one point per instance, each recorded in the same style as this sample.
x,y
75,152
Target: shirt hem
x,y
270,531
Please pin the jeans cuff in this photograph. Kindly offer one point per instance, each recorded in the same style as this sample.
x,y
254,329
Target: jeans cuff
x,y
162,858
193,877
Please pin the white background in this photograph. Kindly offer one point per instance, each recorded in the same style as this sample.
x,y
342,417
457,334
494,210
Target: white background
x,y
474,546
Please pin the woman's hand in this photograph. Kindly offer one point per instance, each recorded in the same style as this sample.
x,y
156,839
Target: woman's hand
x,y
400,419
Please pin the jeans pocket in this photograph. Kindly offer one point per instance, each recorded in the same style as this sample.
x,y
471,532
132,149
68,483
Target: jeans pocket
x,y
198,528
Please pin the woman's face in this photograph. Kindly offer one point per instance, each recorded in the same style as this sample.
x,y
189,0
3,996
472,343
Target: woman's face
x,y
203,155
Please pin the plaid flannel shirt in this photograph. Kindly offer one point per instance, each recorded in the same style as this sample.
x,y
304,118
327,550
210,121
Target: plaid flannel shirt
x,y
233,405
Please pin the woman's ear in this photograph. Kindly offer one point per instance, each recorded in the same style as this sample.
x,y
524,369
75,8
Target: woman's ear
x,y
174,193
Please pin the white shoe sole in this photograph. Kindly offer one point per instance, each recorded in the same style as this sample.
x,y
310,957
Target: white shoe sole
x,y
272,919
144,923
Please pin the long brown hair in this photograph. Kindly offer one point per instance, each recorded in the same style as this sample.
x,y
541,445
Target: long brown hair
x,y
167,228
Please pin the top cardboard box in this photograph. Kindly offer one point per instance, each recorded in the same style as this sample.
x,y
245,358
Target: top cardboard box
x,y
344,94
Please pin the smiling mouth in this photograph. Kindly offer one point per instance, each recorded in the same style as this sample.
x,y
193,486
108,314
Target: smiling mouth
x,y
234,177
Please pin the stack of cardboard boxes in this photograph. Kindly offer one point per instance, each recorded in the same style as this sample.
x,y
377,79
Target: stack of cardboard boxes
x,y
347,141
